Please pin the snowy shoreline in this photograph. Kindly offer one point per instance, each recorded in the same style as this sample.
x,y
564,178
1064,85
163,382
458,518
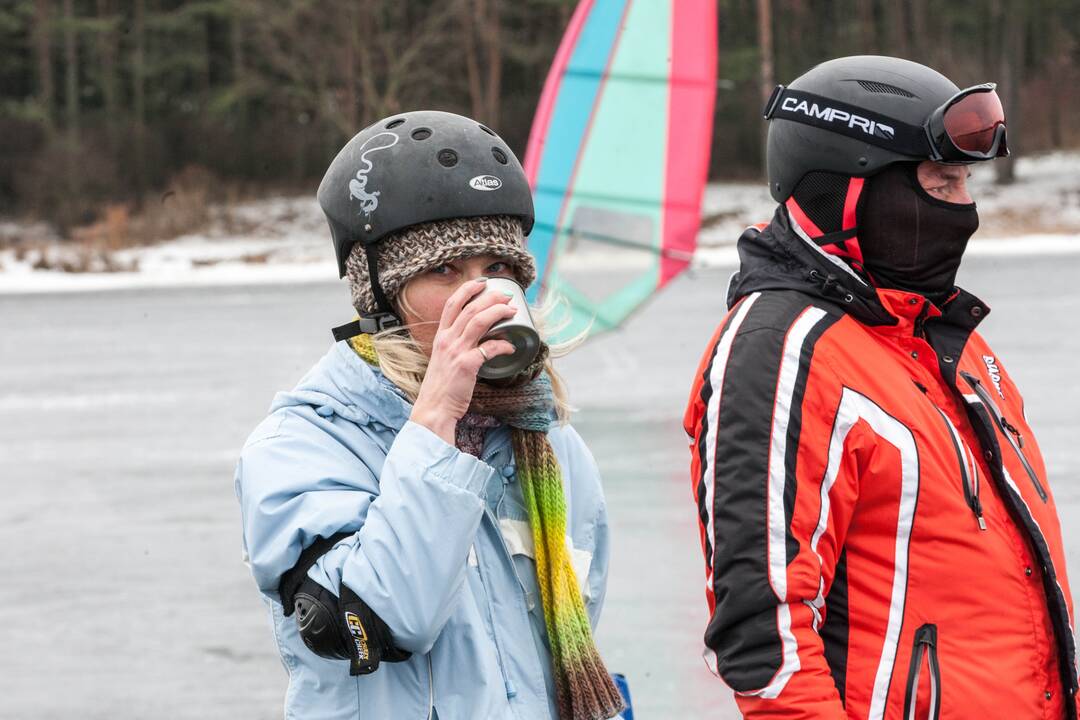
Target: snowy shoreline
x,y
286,241
22,282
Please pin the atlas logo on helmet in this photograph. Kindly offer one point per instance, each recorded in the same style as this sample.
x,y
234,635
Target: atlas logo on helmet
x,y
830,114
485,182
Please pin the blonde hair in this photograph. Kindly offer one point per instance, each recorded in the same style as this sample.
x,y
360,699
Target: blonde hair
x,y
404,363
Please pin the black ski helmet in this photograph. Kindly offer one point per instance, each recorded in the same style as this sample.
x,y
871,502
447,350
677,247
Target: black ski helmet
x,y
851,116
417,167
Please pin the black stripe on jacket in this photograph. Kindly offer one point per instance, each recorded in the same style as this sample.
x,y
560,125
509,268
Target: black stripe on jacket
x,y
743,629
702,439
834,633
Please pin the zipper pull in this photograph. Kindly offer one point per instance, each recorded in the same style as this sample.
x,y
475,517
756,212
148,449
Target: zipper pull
x,y
976,507
1012,428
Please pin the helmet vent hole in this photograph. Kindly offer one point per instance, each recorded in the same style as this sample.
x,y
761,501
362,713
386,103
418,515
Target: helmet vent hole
x,y
885,88
395,123
447,158
499,155
421,133
488,130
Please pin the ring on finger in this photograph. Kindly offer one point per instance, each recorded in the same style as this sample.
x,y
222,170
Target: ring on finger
x,y
484,354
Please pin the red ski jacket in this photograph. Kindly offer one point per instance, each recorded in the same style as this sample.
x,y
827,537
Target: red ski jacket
x,y
880,538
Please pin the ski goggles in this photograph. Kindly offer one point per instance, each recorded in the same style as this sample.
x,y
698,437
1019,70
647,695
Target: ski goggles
x,y
968,127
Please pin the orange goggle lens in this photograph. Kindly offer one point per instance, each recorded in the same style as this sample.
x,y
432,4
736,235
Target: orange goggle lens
x,y
973,120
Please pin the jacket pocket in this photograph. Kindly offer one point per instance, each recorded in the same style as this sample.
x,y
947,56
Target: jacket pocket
x,y
924,658
969,470
518,539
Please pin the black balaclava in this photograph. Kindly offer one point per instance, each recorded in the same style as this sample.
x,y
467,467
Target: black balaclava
x,y
911,240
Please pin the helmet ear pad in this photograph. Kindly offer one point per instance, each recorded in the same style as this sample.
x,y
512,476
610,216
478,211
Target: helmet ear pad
x,y
826,207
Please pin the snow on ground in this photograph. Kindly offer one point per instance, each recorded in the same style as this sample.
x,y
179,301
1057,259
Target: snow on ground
x,y
286,239
275,240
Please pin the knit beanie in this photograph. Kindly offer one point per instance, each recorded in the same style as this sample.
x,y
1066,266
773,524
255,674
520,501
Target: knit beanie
x,y
416,249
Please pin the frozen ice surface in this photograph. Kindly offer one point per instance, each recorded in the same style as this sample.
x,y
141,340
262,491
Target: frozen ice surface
x,y
122,413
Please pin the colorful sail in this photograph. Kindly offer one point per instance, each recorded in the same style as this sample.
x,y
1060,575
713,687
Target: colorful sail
x,y
618,154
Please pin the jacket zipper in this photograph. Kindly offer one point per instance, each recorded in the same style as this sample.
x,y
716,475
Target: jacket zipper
x,y
925,645
969,472
1016,440
507,683
495,523
431,689
431,675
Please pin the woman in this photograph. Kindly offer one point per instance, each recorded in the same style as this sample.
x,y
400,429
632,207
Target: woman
x,y
429,546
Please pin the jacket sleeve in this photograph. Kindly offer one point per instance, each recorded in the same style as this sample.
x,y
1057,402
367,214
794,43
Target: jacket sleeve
x,y
774,491
414,509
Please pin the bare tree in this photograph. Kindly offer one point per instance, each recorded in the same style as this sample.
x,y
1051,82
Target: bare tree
x,y
71,74
400,49
238,61
920,40
896,22
1012,17
358,59
138,79
867,26
480,21
494,60
106,50
42,33
765,46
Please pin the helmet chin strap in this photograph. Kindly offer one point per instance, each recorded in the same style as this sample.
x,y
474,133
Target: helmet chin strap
x,y
384,319
376,288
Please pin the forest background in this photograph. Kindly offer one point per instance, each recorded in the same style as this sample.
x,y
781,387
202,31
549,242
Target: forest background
x,y
140,114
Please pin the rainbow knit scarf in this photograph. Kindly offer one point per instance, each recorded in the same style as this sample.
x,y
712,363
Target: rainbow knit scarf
x,y
583,688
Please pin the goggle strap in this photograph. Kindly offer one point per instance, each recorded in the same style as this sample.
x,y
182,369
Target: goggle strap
x,y
849,120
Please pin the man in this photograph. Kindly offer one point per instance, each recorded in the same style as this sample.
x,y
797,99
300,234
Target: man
x,y
879,534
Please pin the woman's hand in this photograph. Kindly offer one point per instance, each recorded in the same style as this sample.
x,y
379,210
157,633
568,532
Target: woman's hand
x,y
456,357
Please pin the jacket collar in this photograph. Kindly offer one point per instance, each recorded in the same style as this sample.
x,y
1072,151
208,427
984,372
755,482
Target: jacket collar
x,y
781,257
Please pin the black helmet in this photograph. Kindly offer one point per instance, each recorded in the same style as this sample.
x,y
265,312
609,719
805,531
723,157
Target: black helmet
x,y
418,167
853,116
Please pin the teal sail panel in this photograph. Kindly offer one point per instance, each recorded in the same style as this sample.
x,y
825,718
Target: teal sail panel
x,y
618,154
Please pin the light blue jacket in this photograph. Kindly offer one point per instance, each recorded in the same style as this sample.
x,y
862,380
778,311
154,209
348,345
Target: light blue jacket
x,y
441,549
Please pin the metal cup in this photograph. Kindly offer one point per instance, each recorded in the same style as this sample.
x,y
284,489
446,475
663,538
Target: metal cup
x,y
518,330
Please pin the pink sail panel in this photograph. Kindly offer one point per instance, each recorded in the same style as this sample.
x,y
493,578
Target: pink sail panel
x,y
690,124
